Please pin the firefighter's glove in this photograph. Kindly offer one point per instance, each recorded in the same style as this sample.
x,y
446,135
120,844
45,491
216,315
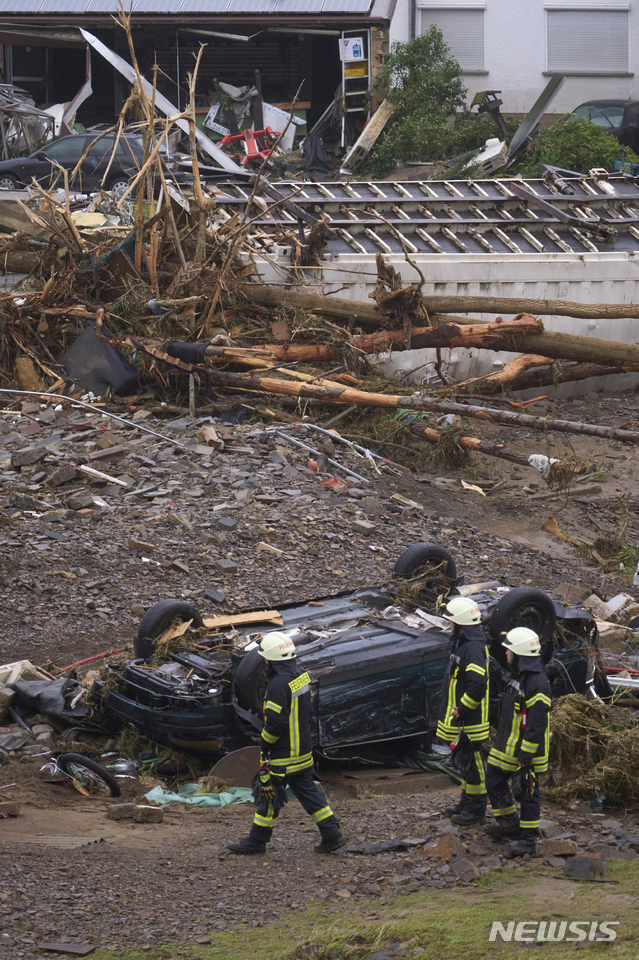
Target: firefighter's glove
x,y
267,790
528,781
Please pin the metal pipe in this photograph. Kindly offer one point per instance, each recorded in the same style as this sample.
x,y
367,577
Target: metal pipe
x,y
359,450
333,463
103,413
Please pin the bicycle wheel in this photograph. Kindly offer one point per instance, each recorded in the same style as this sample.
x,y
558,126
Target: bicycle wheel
x,y
89,775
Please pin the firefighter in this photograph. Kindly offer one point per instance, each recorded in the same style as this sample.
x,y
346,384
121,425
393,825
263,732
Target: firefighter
x,y
521,745
465,704
286,752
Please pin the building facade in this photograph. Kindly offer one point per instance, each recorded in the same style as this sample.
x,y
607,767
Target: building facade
x,y
295,44
516,45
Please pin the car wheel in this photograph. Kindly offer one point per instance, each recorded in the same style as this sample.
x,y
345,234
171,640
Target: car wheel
x,y
118,186
155,621
523,607
429,569
250,682
8,182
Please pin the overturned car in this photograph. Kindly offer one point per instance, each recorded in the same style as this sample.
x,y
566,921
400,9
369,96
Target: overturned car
x,y
377,658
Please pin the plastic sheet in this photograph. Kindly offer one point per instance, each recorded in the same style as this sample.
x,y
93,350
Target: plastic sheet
x,y
189,794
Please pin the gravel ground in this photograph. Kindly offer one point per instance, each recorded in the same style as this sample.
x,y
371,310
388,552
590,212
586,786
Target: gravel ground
x,y
75,581
175,882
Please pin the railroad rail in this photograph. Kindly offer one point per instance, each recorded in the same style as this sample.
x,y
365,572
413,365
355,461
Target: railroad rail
x,y
557,215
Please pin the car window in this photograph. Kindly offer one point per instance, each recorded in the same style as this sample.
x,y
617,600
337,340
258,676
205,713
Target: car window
x,y
603,115
69,148
125,149
632,115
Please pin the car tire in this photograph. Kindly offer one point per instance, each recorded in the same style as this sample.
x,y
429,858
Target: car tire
x,y
7,182
250,679
77,760
423,555
156,619
523,607
118,185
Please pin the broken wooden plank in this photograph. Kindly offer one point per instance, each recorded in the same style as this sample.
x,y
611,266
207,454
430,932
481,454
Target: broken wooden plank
x,y
240,619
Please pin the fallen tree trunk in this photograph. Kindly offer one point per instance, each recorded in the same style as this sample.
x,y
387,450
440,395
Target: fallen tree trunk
x,y
511,336
338,307
493,336
545,308
18,261
563,346
510,372
530,376
471,443
261,383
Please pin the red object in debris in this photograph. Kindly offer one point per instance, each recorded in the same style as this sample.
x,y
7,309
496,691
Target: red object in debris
x,y
4,816
85,512
99,656
251,138
333,482
312,465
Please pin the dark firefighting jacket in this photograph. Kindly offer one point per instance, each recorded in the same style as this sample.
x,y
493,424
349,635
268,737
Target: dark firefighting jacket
x,y
523,734
286,736
466,687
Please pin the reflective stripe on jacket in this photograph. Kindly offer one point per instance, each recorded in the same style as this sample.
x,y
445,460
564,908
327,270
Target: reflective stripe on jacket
x,y
286,736
466,687
523,734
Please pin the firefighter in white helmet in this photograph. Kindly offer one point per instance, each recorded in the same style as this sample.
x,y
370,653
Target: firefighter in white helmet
x,y
465,704
521,745
286,752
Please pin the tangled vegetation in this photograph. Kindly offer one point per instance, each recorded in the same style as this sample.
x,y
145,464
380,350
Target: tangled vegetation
x,y
594,748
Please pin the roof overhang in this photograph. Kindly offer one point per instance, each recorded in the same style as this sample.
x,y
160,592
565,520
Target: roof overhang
x,y
26,35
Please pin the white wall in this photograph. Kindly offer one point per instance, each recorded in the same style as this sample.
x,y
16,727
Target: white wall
x,y
400,24
515,51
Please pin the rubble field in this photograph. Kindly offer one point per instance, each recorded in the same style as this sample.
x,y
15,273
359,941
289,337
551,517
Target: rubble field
x,y
252,526
76,575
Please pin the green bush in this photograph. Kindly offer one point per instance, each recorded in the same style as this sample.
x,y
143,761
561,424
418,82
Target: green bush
x,y
426,89
574,144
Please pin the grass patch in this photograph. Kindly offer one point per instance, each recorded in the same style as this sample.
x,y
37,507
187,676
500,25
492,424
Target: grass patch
x,y
436,925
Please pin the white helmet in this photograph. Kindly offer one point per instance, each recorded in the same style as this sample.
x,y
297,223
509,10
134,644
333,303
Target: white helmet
x,y
522,641
277,646
462,610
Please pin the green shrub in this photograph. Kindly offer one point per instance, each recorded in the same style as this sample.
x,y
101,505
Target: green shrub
x,y
425,87
574,144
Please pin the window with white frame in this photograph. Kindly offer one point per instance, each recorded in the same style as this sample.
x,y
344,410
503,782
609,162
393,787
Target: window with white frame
x,y
587,41
463,30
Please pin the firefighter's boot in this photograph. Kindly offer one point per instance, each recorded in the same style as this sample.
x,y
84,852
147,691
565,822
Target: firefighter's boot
x,y
504,828
332,836
474,811
456,808
249,845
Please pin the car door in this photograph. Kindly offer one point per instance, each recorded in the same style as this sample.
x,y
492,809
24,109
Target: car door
x,y
102,162
381,685
63,153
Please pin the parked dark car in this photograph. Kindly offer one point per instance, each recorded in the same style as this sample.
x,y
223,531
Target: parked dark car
x,y
377,658
619,118
67,151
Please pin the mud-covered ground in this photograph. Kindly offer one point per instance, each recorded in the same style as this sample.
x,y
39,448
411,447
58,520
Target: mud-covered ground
x,y
135,885
74,584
